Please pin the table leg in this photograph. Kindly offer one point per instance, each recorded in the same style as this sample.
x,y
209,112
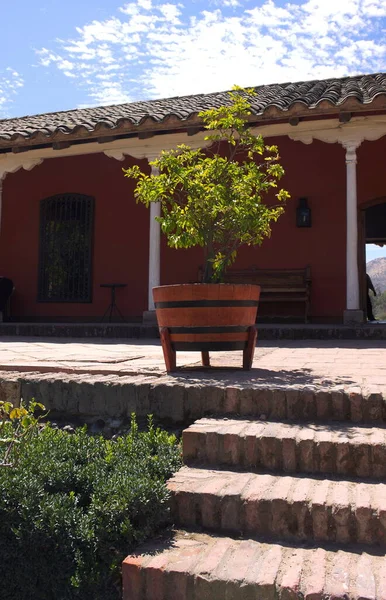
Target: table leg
x,y
205,359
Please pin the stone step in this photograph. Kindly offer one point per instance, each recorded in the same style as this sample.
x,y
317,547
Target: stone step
x,y
189,396
195,566
135,330
279,507
343,449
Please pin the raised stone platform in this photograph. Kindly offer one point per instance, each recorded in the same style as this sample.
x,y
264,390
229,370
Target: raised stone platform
x,y
290,465
339,380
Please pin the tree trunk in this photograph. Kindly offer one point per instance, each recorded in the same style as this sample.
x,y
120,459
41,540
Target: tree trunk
x,y
209,257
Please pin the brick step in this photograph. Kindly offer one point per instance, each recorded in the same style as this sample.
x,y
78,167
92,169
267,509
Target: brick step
x,y
195,566
303,404
279,507
343,449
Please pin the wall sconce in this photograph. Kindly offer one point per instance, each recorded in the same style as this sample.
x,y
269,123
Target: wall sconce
x,y
303,213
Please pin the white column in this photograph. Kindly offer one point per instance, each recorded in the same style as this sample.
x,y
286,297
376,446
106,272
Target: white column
x,y
353,312
154,248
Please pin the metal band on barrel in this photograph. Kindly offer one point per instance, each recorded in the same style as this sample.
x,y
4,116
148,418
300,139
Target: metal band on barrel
x,y
205,303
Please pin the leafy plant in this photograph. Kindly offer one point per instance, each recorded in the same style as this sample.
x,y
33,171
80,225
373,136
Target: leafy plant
x,y
75,505
17,424
379,305
213,198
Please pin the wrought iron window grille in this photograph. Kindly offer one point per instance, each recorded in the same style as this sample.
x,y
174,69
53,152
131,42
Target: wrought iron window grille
x,y
66,244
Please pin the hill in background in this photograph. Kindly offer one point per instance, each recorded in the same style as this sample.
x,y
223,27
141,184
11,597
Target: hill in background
x,y
376,268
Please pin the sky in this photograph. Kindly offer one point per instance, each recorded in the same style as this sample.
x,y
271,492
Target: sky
x,y
373,251
61,54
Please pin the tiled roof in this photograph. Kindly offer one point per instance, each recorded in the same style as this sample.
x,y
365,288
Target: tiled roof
x,y
309,94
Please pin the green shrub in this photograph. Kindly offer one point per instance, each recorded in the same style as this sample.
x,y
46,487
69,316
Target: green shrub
x,y
75,505
379,305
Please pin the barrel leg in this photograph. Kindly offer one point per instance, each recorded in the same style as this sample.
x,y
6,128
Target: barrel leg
x,y
249,351
205,358
169,353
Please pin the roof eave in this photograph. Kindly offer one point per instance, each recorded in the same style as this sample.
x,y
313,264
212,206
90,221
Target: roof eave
x,y
172,124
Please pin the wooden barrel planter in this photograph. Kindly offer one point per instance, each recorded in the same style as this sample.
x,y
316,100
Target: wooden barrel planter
x,y
207,317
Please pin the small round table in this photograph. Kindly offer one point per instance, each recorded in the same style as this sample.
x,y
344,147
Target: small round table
x,y
113,305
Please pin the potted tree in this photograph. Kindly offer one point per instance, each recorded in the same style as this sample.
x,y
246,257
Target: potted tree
x,y
213,198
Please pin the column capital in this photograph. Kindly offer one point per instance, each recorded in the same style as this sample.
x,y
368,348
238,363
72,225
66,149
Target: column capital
x,y
150,156
351,147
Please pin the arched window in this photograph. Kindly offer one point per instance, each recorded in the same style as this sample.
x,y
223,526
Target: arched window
x,y
65,258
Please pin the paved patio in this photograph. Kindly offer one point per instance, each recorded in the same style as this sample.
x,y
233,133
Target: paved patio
x,y
317,364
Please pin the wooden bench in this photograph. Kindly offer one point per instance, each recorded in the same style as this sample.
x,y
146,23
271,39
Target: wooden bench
x,y
277,285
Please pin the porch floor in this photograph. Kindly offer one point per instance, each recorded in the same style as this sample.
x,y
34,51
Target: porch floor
x,y
318,364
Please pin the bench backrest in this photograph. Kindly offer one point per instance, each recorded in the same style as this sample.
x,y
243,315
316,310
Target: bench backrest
x,y
271,278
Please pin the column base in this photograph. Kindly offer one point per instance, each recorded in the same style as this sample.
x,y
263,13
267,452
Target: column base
x,y
353,317
149,317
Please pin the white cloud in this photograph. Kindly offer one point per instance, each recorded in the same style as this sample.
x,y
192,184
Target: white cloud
x,y
66,65
10,84
158,49
374,8
232,3
171,13
146,4
364,51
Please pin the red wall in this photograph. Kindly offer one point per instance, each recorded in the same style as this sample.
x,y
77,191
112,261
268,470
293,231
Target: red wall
x,y
316,171
120,234
371,170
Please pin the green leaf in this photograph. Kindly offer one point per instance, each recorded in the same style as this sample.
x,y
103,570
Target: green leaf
x,y
27,421
15,413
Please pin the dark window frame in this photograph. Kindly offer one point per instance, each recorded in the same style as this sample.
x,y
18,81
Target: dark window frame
x,y
84,208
